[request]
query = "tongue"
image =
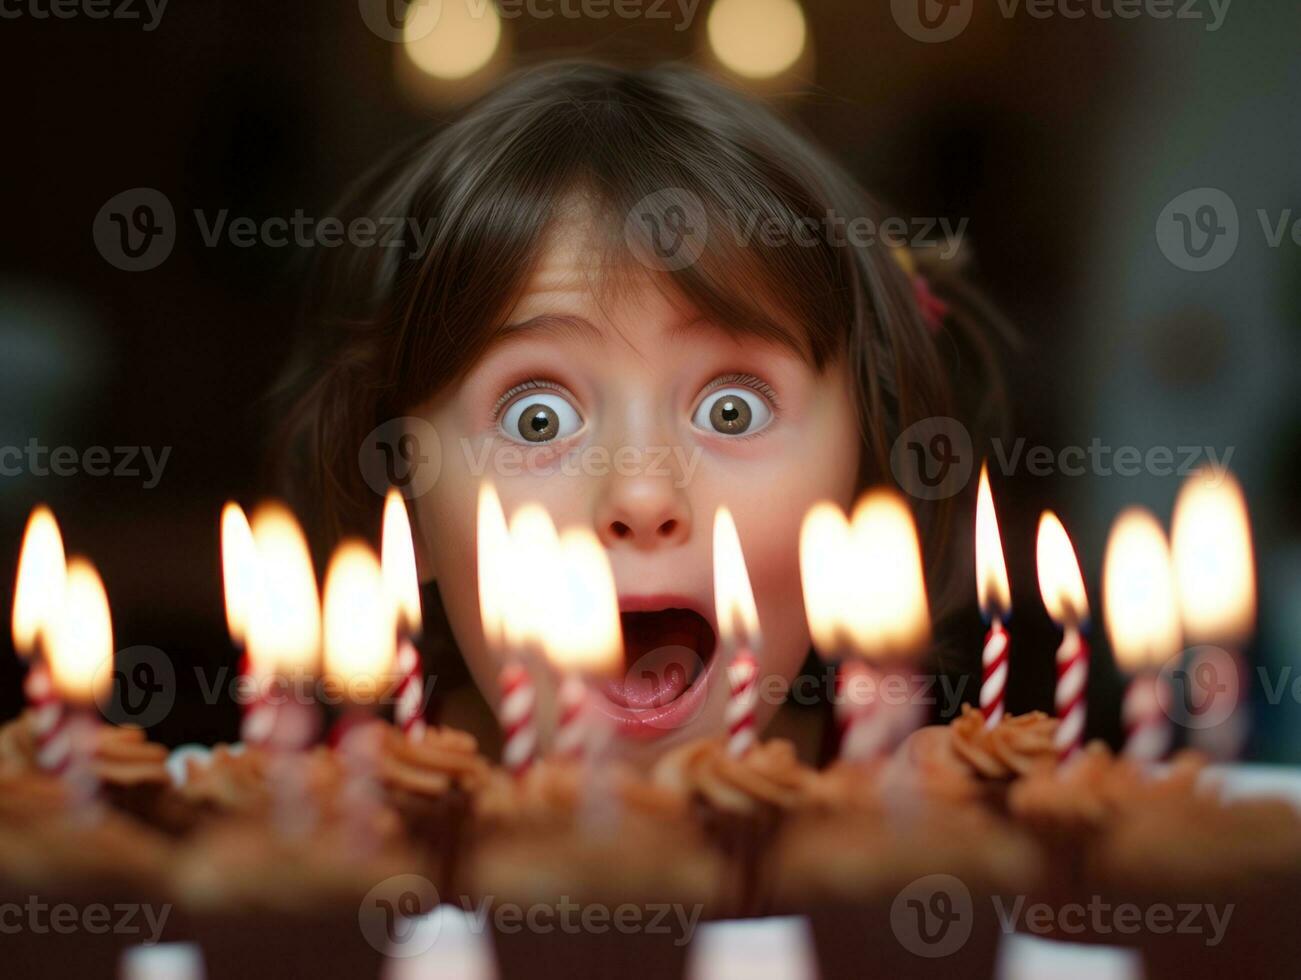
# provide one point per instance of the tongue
(665, 652)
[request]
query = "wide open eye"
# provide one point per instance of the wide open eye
(732, 411)
(540, 416)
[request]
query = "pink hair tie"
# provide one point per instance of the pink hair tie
(932, 308)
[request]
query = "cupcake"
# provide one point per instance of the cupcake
(965, 762)
(741, 804)
(905, 888)
(432, 784)
(1217, 883)
(250, 880)
(130, 771)
(576, 886)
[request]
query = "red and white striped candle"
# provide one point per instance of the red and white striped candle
(518, 718)
(1062, 587)
(739, 635)
(995, 598)
(864, 720)
(398, 558)
(1142, 619)
(743, 679)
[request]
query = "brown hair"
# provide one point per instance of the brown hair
(386, 329)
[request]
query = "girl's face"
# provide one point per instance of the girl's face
(637, 419)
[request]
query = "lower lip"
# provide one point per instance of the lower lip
(658, 721)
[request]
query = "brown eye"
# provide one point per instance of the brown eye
(538, 423)
(540, 417)
(732, 412)
(729, 414)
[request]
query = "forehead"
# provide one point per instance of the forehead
(583, 271)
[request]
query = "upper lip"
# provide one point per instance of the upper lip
(654, 602)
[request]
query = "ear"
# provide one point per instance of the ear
(424, 561)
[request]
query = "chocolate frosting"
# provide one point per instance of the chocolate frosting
(769, 774)
(441, 759)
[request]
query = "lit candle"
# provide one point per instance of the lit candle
(282, 630)
(995, 603)
(581, 637)
(79, 646)
(1062, 587)
(738, 626)
(1138, 598)
(239, 577)
(359, 623)
(1216, 585)
(517, 693)
(398, 560)
(38, 595)
(865, 596)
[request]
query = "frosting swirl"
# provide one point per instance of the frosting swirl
(769, 774)
(1013, 747)
(441, 759)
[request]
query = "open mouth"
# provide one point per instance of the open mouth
(666, 651)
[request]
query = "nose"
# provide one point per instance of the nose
(643, 512)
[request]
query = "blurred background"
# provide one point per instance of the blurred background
(1059, 137)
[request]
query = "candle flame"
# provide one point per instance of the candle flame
(890, 615)
(991, 568)
(738, 620)
(1138, 592)
(359, 619)
(283, 633)
(398, 560)
(493, 543)
(584, 633)
(239, 570)
(1213, 560)
(1060, 583)
(79, 644)
(527, 572)
(826, 571)
(42, 570)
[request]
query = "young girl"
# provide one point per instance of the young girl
(639, 296)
